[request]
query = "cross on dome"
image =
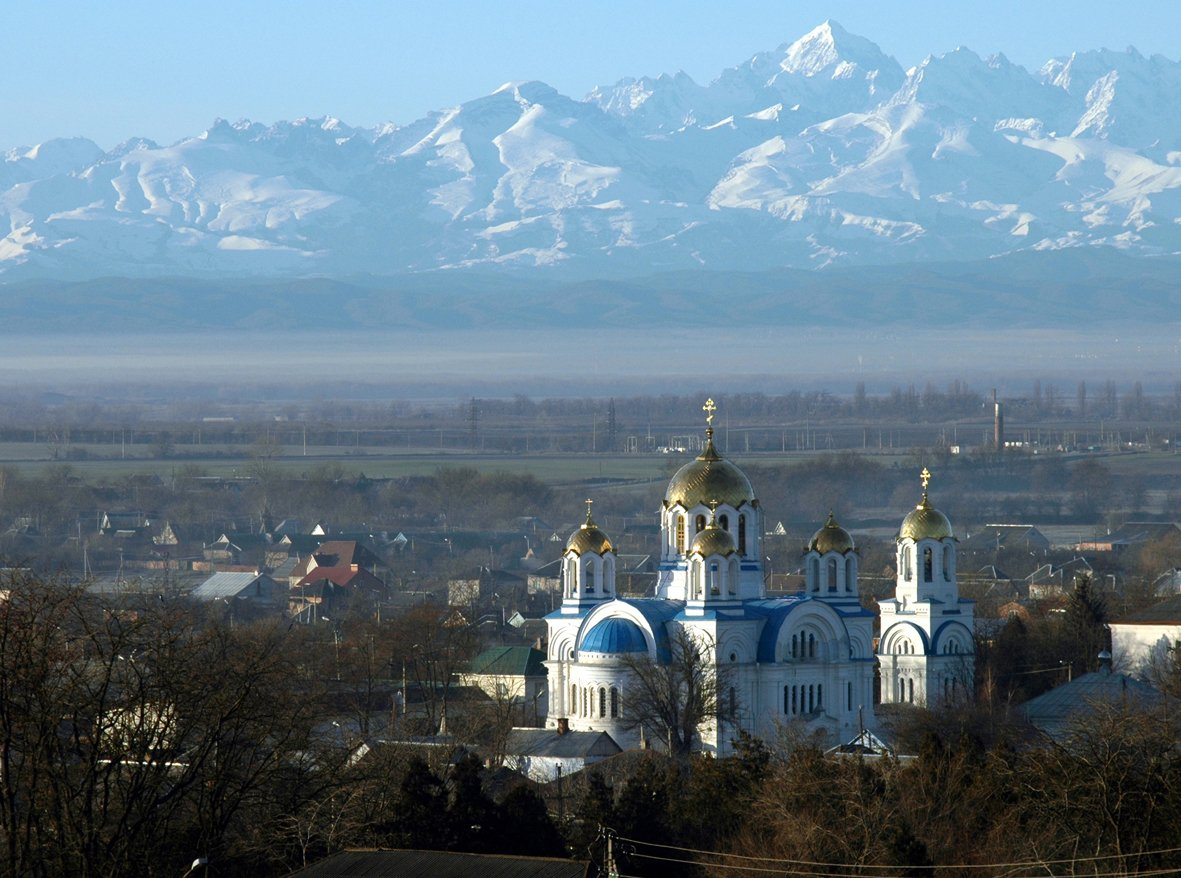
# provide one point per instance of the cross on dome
(709, 408)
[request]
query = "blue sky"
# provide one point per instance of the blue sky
(165, 70)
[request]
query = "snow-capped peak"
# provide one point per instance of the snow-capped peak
(827, 48)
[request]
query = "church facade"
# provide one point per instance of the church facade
(807, 660)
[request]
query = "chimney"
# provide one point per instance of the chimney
(563, 725)
(1105, 661)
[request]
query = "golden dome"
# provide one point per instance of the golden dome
(831, 538)
(707, 479)
(925, 522)
(588, 538)
(713, 541)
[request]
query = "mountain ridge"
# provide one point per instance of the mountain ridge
(820, 154)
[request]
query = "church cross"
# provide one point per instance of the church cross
(709, 408)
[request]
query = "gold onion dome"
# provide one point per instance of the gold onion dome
(925, 522)
(588, 539)
(831, 538)
(713, 541)
(709, 477)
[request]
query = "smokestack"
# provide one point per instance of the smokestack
(563, 725)
(998, 424)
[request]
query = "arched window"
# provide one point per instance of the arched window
(588, 573)
(849, 576)
(911, 687)
(583, 713)
(928, 561)
(742, 534)
(819, 695)
(713, 578)
(794, 700)
(907, 569)
(724, 522)
(795, 648)
(699, 523)
(947, 563)
(849, 695)
(602, 701)
(680, 533)
(811, 646)
(814, 568)
(811, 698)
(573, 708)
(614, 703)
(832, 574)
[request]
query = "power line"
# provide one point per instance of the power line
(1030, 864)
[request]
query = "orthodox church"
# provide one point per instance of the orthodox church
(806, 659)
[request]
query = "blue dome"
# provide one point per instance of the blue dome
(614, 635)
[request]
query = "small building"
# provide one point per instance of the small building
(512, 674)
(545, 754)
(247, 591)
(1148, 638)
(1134, 533)
(1055, 712)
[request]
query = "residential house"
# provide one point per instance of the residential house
(1134, 533)
(1149, 637)
(485, 585)
(327, 591)
(1054, 713)
(545, 754)
(1055, 581)
(345, 554)
(242, 593)
(512, 674)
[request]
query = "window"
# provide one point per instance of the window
(832, 574)
(947, 563)
(811, 646)
(742, 534)
(794, 704)
(713, 578)
(911, 682)
(602, 702)
(795, 646)
(699, 522)
(680, 533)
(614, 703)
(819, 695)
(849, 695)
(907, 571)
(786, 700)
(928, 562)
(724, 522)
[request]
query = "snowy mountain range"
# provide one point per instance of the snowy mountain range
(823, 153)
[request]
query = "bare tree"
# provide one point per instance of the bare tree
(673, 699)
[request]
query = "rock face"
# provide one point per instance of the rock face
(821, 153)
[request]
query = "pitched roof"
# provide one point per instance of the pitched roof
(1053, 711)
(571, 745)
(227, 585)
(510, 661)
(345, 577)
(1167, 612)
(439, 864)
